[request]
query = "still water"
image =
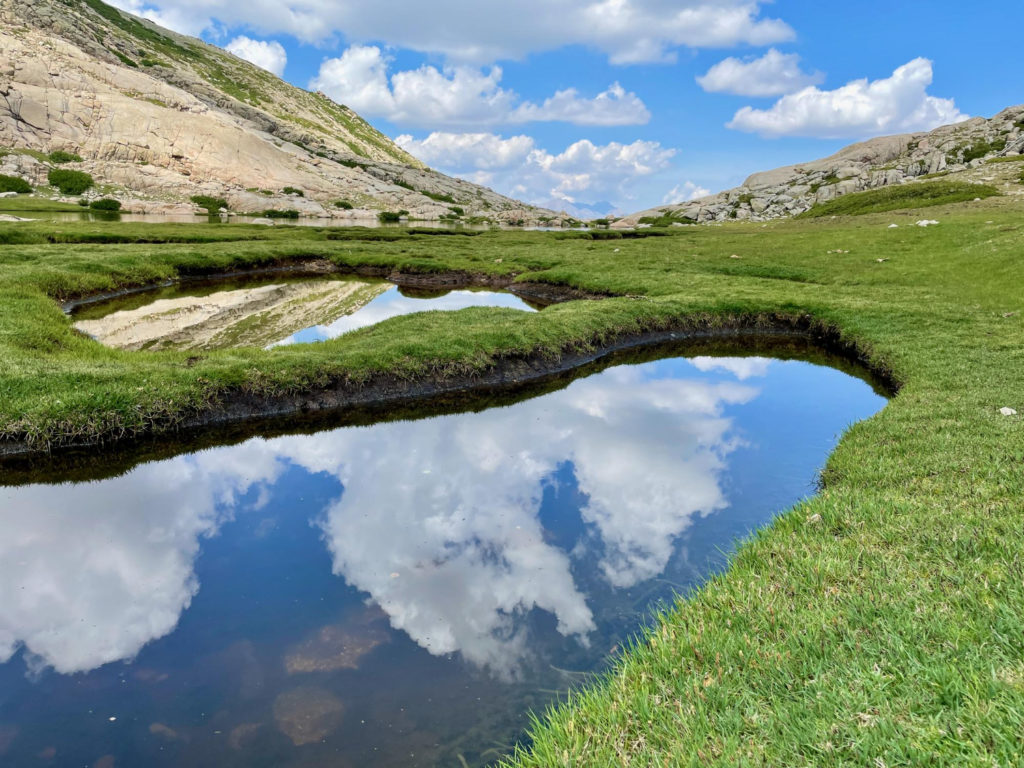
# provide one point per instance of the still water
(401, 594)
(267, 312)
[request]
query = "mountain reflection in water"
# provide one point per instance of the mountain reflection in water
(485, 552)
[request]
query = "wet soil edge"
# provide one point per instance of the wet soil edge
(507, 375)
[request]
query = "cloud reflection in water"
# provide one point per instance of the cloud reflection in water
(438, 521)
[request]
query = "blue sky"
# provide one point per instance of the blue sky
(591, 105)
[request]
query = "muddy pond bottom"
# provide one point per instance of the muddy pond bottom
(401, 594)
(267, 312)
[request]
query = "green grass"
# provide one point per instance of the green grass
(880, 622)
(905, 196)
(1009, 159)
(27, 204)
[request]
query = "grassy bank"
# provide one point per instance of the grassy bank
(880, 623)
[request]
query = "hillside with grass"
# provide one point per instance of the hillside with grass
(981, 152)
(157, 119)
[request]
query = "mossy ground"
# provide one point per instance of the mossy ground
(880, 623)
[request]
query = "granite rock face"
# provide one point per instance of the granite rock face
(959, 151)
(159, 117)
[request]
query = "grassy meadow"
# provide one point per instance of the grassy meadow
(880, 623)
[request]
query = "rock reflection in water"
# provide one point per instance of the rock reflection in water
(246, 317)
(360, 595)
(280, 313)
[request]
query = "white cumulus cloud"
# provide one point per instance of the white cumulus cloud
(859, 109)
(684, 193)
(773, 74)
(515, 166)
(613, 107)
(626, 31)
(267, 54)
(460, 95)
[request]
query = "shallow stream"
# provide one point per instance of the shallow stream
(398, 594)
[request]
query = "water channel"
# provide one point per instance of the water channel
(401, 593)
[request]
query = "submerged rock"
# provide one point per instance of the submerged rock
(334, 647)
(307, 715)
(241, 734)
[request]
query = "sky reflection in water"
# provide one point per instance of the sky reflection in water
(406, 588)
(394, 303)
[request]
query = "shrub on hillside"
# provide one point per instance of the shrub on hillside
(14, 184)
(438, 196)
(345, 205)
(391, 217)
(293, 191)
(106, 204)
(60, 156)
(70, 182)
(211, 204)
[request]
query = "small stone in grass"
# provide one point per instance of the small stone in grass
(1007, 411)
(813, 519)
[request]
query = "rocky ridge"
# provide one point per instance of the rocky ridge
(964, 150)
(159, 117)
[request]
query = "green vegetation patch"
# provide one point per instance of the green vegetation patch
(212, 205)
(14, 184)
(894, 198)
(106, 204)
(438, 196)
(344, 205)
(293, 191)
(60, 157)
(1008, 159)
(980, 149)
(70, 182)
(391, 217)
(290, 213)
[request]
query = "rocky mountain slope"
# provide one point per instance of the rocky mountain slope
(963, 151)
(158, 117)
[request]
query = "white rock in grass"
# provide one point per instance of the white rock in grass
(894, 226)
(926, 223)
(1007, 411)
